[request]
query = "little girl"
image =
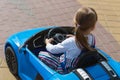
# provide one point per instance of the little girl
(85, 20)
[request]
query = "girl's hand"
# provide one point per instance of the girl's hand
(48, 40)
(69, 35)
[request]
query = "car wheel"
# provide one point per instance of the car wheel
(12, 61)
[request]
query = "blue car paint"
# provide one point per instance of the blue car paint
(17, 40)
(113, 63)
(115, 66)
(97, 69)
(70, 76)
(25, 35)
(26, 69)
(103, 53)
(29, 65)
(38, 65)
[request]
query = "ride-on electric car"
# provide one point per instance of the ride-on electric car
(22, 49)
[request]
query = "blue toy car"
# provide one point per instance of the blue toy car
(22, 49)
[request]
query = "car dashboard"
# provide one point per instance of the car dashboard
(37, 42)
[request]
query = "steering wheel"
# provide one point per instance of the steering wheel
(58, 34)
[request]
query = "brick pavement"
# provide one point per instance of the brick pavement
(109, 17)
(18, 15)
(108, 13)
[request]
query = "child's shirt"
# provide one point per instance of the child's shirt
(69, 47)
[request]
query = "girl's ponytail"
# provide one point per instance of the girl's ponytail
(81, 40)
(84, 20)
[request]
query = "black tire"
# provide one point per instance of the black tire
(12, 61)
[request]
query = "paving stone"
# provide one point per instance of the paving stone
(3, 64)
(5, 74)
(0, 61)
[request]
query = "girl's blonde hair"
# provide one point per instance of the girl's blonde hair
(85, 18)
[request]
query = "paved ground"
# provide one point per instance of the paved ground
(18, 15)
(109, 14)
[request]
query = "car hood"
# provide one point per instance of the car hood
(21, 37)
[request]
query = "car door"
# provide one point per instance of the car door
(37, 65)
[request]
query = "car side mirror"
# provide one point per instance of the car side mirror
(22, 48)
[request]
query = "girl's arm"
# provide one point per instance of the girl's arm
(55, 49)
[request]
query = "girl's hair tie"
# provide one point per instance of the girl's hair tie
(78, 25)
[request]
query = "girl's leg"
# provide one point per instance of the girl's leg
(50, 60)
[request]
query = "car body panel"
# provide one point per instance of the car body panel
(97, 69)
(115, 66)
(20, 37)
(70, 76)
(29, 65)
(113, 63)
(15, 42)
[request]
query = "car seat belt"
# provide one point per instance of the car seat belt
(82, 74)
(109, 70)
